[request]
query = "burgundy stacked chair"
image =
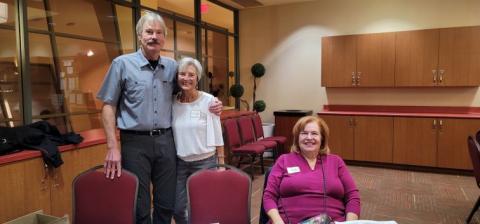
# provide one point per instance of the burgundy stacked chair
(219, 196)
(473, 149)
(248, 136)
(97, 199)
(257, 124)
(240, 150)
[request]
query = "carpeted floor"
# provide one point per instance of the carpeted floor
(405, 196)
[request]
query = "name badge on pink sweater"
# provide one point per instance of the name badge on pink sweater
(293, 169)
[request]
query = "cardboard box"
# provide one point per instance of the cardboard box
(39, 218)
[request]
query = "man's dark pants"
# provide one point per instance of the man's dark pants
(153, 160)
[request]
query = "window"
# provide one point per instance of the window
(10, 91)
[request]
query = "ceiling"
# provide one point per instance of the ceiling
(245, 4)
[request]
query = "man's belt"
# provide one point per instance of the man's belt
(153, 132)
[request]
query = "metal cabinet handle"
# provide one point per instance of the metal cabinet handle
(434, 125)
(353, 79)
(440, 76)
(350, 122)
(440, 125)
(434, 73)
(358, 78)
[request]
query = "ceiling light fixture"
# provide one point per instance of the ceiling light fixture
(90, 53)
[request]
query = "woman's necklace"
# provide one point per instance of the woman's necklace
(185, 98)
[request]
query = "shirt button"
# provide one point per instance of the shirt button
(155, 99)
(155, 111)
(154, 87)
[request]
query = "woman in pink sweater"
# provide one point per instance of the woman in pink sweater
(298, 181)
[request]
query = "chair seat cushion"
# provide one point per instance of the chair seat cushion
(249, 149)
(268, 144)
(279, 139)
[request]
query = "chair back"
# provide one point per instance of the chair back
(473, 149)
(257, 124)
(231, 133)
(246, 129)
(219, 196)
(97, 199)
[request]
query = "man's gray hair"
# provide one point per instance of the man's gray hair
(187, 61)
(150, 17)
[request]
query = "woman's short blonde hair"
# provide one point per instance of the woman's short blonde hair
(300, 126)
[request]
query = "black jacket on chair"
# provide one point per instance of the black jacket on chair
(37, 136)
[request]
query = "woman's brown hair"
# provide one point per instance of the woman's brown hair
(300, 126)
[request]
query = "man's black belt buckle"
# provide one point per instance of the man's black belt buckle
(153, 132)
(160, 131)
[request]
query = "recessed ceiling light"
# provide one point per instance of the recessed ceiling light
(90, 53)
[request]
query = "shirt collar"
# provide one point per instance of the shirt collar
(143, 61)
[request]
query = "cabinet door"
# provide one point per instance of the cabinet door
(459, 56)
(376, 59)
(341, 135)
(416, 58)
(23, 189)
(61, 185)
(452, 142)
(338, 61)
(373, 138)
(75, 162)
(37, 182)
(415, 141)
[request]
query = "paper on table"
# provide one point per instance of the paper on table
(366, 222)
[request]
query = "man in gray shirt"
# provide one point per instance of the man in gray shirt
(137, 95)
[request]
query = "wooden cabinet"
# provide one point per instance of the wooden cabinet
(459, 56)
(434, 57)
(26, 186)
(341, 135)
(362, 138)
(358, 60)
(438, 57)
(415, 141)
(452, 142)
(284, 122)
(434, 142)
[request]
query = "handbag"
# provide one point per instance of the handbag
(318, 219)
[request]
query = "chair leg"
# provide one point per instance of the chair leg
(252, 169)
(474, 209)
(261, 163)
(239, 161)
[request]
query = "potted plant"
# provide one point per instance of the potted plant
(236, 91)
(258, 70)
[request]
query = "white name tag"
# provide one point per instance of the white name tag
(195, 114)
(294, 169)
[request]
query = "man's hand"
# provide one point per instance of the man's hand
(113, 163)
(216, 107)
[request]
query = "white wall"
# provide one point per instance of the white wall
(287, 40)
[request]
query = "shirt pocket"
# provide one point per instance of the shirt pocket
(135, 89)
(167, 87)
